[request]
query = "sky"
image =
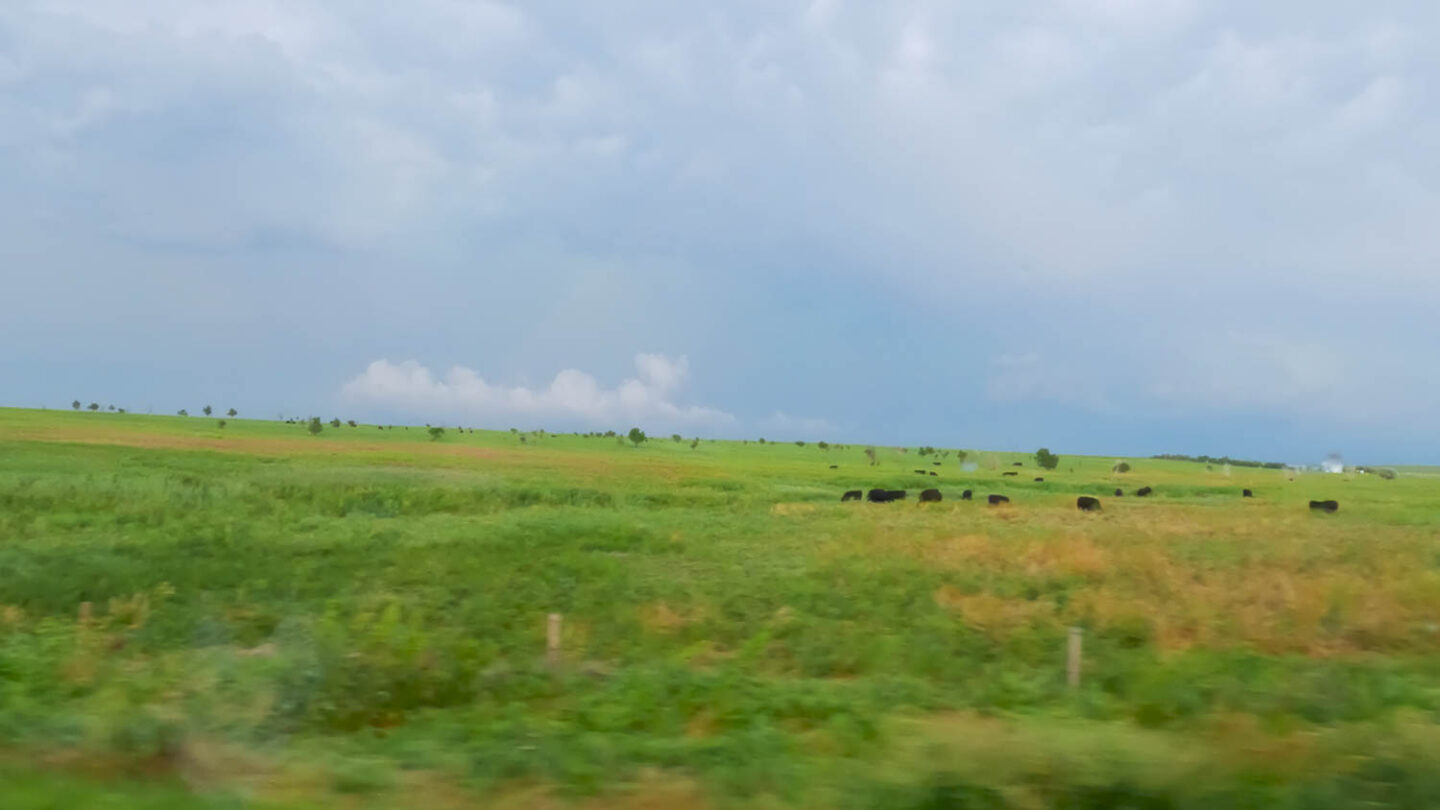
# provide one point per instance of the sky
(1102, 226)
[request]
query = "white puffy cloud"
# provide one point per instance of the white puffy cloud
(573, 397)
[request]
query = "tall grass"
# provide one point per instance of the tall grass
(367, 620)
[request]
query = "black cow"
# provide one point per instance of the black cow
(965, 496)
(921, 472)
(1018, 464)
(998, 499)
(1085, 503)
(852, 495)
(936, 463)
(885, 495)
(937, 475)
(1143, 492)
(1245, 493)
(930, 496)
(834, 466)
(1039, 480)
(1009, 473)
(1119, 493)
(1325, 506)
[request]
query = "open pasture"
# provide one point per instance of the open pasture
(196, 616)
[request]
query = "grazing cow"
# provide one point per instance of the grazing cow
(936, 463)
(1085, 503)
(1009, 473)
(930, 496)
(1018, 464)
(1119, 493)
(966, 495)
(834, 466)
(1325, 506)
(1143, 492)
(1039, 480)
(852, 495)
(920, 472)
(996, 500)
(937, 475)
(885, 495)
(1245, 493)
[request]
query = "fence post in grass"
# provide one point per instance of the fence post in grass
(1072, 659)
(552, 640)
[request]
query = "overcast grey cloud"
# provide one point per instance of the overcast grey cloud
(1126, 226)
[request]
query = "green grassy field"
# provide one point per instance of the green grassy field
(197, 617)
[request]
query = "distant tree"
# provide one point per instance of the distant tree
(960, 456)
(94, 406)
(522, 440)
(1046, 459)
(609, 434)
(350, 422)
(182, 412)
(315, 427)
(335, 422)
(436, 433)
(636, 436)
(206, 410)
(110, 407)
(1122, 467)
(822, 445)
(232, 413)
(675, 437)
(119, 410)
(761, 440)
(221, 424)
(870, 454)
(799, 443)
(695, 443)
(75, 405)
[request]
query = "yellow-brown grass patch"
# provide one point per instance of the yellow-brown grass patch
(1184, 576)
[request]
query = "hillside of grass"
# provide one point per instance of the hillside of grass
(198, 616)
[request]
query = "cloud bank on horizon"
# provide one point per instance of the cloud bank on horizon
(1112, 225)
(572, 397)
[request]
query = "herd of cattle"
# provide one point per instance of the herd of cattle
(1084, 503)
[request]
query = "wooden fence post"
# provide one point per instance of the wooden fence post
(1072, 659)
(552, 640)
